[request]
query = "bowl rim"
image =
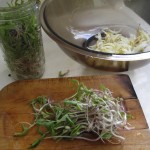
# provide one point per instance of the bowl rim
(85, 51)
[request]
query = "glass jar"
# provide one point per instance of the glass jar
(21, 40)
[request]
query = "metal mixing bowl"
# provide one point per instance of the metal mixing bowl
(70, 23)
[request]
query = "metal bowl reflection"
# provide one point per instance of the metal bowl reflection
(73, 24)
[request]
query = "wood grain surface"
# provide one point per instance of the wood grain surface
(15, 107)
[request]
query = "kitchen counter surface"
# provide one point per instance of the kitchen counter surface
(57, 61)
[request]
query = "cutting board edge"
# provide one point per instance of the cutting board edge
(55, 78)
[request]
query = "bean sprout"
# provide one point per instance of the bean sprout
(87, 112)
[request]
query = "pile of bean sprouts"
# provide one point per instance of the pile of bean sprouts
(89, 114)
(110, 41)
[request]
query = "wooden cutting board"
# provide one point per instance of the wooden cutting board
(15, 107)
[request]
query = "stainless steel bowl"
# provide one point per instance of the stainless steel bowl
(72, 22)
